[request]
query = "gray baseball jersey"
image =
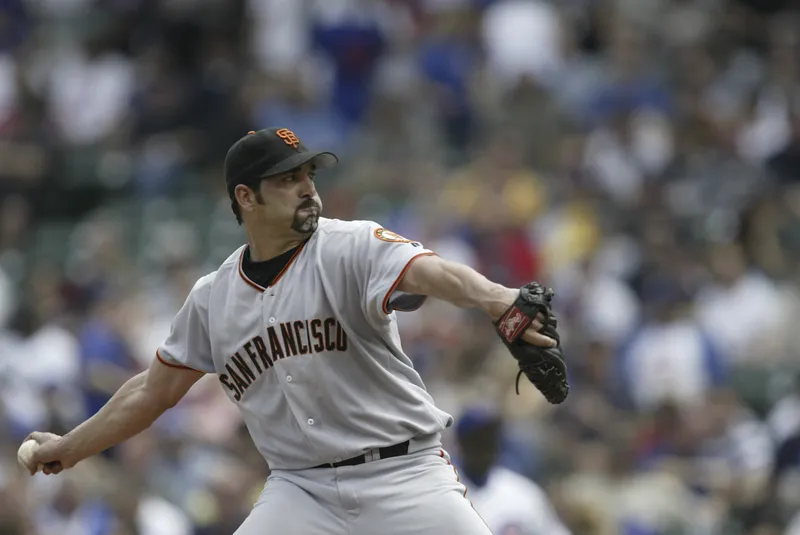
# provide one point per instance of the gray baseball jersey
(314, 362)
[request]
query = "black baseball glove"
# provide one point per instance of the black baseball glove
(544, 367)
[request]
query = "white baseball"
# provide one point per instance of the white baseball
(25, 453)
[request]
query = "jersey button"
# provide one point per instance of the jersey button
(311, 421)
(271, 321)
(288, 378)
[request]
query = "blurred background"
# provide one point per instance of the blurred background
(640, 156)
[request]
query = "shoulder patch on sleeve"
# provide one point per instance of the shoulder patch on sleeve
(389, 236)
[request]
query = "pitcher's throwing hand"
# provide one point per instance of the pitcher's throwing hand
(40, 452)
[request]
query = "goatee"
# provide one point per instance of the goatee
(306, 218)
(305, 224)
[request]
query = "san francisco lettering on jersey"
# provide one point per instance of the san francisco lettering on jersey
(300, 337)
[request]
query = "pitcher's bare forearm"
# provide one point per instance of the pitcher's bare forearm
(464, 287)
(129, 412)
(132, 409)
(457, 284)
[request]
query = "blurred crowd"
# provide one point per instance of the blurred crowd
(641, 157)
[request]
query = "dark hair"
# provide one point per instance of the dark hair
(254, 185)
(236, 211)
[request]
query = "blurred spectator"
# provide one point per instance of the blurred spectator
(509, 503)
(522, 39)
(631, 84)
(448, 59)
(785, 163)
(634, 147)
(106, 358)
(623, 499)
(278, 37)
(785, 478)
(15, 23)
(349, 33)
(598, 303)
(735, 456)
(298, 107)
(41, 362)
(493, 198)
(669, 357)
(794, 527)
(784, 418)
(7, 299)
(734, 283)
(90, 90)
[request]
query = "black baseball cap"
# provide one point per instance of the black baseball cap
(269, 152)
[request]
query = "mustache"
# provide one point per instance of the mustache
(310, 203)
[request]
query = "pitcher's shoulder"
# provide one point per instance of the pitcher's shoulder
(200, 294)
(227, 269)
(352, 227)
(205, 282)
(344, 239)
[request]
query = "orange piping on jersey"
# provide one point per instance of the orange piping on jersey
(277, 278)
(289, 263)
(388, 295)
(244, 277)
(171, 365)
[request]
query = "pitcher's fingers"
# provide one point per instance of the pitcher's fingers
(34, 468)
(538, 339)
(38, 436)
(41, 437)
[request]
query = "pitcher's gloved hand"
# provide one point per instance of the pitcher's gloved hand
(543, 366)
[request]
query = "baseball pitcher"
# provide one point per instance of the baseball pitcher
(299, 327)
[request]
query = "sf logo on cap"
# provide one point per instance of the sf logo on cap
(288, 137)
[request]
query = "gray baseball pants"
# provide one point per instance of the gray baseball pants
(415, 494)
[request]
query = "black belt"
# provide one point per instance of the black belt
(385, 453)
